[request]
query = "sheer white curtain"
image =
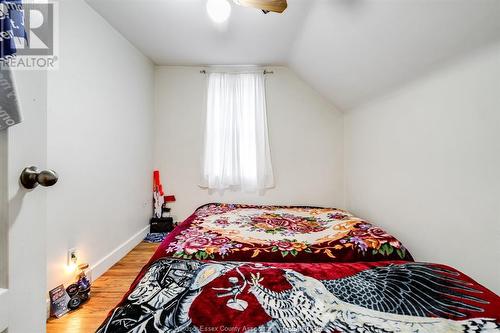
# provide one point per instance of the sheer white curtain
(237, 153)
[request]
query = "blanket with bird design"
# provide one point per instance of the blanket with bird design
(179, 295)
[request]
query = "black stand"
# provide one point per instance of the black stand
(162, 224)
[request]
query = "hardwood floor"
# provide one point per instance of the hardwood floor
(107, 291)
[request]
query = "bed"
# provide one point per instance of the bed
(233, 232)
(224, 270)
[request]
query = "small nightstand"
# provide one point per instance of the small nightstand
(163, 224)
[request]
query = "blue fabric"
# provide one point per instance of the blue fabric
(155, 237)
(12, 23)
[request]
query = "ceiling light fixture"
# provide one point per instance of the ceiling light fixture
(218, 10)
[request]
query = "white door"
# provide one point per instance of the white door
(23, 212)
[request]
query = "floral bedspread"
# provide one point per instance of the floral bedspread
(280, 234)
(178, 295)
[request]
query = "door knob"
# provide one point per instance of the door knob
(32, 176)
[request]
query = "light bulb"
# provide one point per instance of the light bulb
(71, 268)
(218, 10)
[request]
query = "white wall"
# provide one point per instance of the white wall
(306, 138)
(424, 163)
(100, 109)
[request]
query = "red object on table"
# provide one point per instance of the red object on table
(158, 187)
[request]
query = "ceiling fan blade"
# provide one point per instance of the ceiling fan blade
(277, 6)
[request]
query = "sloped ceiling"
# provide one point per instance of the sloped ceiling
(179, 32)
(355, 50)
(351, 51)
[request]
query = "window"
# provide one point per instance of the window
(237, 153)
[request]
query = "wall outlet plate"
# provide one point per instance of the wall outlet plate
(72, 258)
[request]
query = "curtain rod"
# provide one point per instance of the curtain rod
(203, 71)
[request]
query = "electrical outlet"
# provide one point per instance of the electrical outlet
(72, 257)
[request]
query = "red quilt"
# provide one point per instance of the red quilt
(280, 234)
(178, 295)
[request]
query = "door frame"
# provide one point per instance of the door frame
(23, 215)
(4, 231)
